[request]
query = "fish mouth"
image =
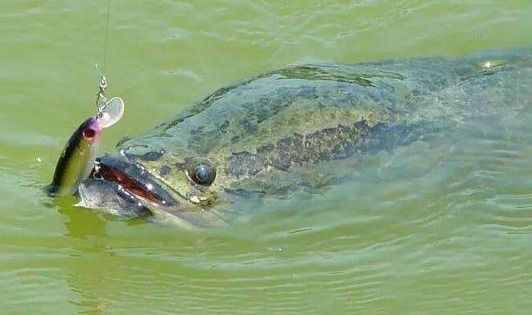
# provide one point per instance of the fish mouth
(123, 187)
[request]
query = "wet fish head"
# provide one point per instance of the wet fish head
(146, 178)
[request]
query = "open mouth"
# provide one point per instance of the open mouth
(132, 179)
(123, 187)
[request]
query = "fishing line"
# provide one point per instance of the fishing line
(102, 79)
(101, 70)
(108, 19)
(108, 111)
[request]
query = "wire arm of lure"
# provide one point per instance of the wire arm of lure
(101, 98)
(108, 111)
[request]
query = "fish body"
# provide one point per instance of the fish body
(294, 127)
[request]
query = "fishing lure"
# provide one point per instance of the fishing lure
(77, 160)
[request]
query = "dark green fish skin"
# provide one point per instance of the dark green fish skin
(271, 135)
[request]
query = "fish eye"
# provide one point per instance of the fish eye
(203, 174)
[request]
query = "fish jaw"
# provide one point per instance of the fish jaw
(125, 188)
(122, 187)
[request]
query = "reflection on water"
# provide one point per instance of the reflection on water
(88, 268)
(81, 223)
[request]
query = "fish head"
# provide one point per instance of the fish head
(152, 180)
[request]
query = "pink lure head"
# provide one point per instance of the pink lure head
(93, 130)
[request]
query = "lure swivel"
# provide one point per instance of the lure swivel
(101, 98)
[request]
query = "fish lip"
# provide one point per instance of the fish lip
(133, 180)
(102, 194)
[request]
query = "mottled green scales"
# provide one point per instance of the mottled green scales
(268, 135)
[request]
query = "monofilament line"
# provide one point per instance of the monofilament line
(108, 18)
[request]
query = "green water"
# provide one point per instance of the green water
(438, 227)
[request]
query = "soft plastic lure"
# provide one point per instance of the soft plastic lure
(77, 160)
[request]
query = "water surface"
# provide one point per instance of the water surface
(442, 226)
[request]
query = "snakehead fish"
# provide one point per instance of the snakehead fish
(280, 131)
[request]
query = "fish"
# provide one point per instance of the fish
(298, 127)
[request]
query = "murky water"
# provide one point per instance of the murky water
(442, 226)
